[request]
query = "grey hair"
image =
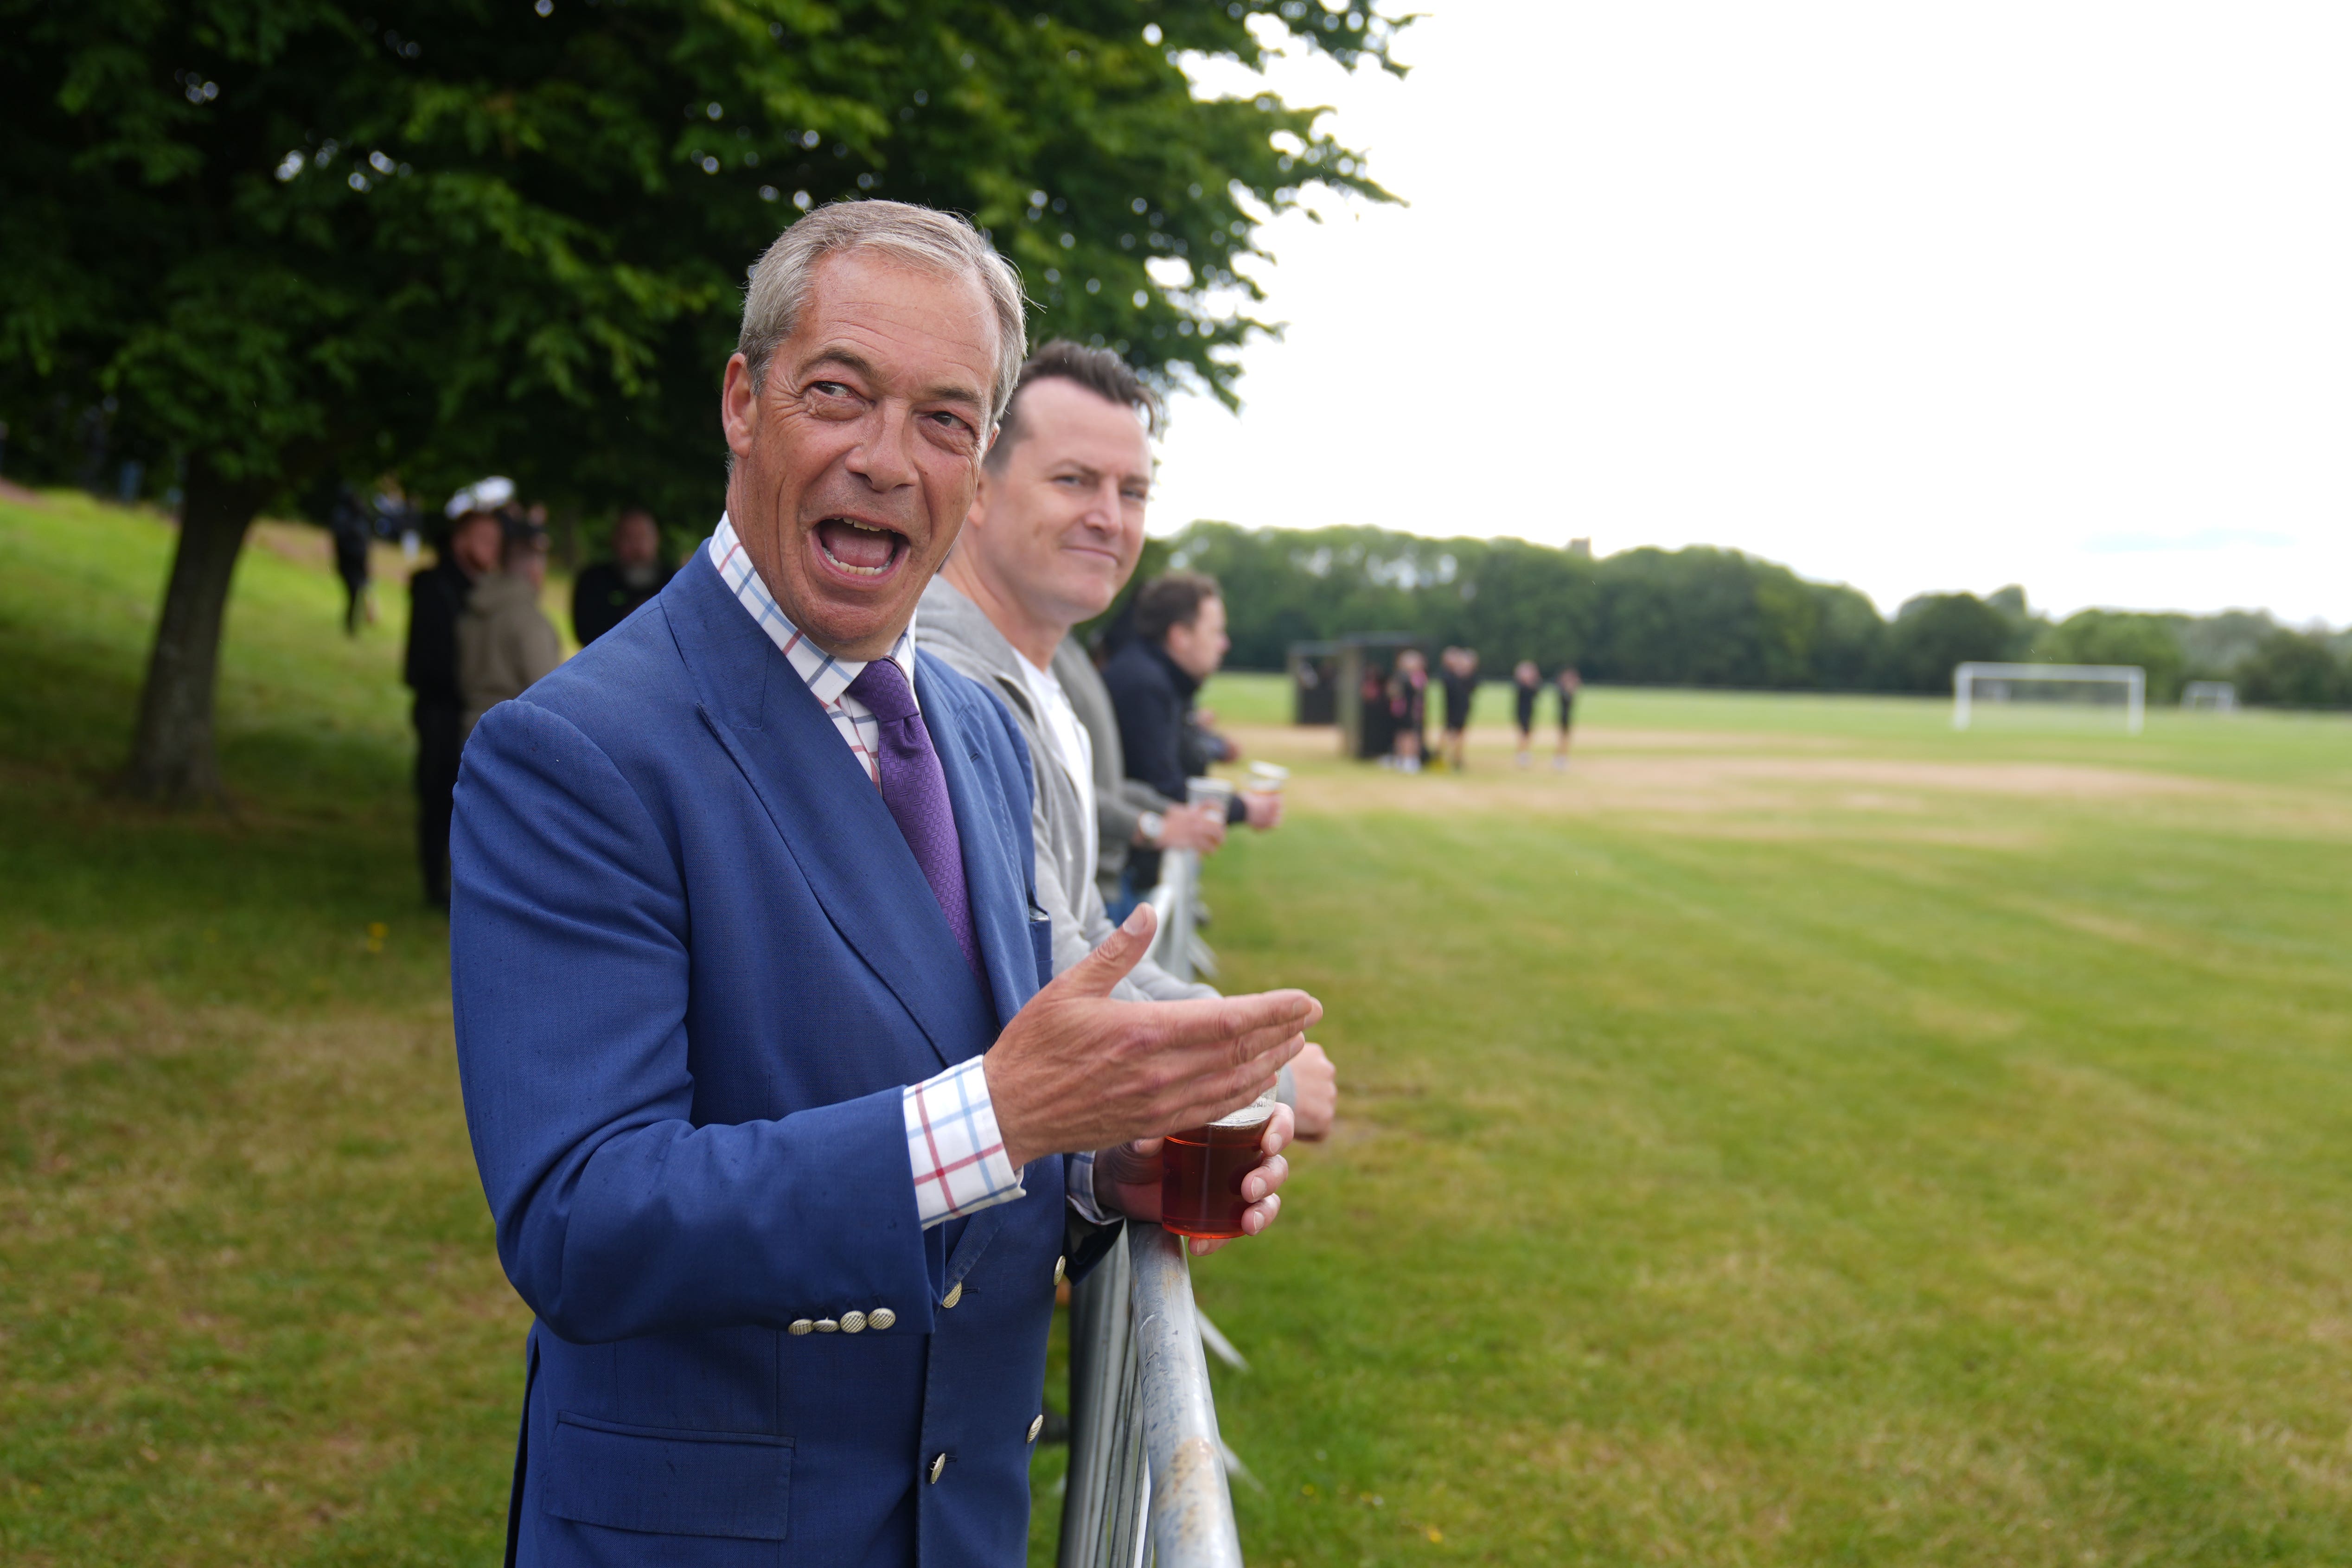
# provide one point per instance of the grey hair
(936, 242)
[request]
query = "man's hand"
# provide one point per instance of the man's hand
(1315, 1082)
(1265, 807)
(1127, 1178)
(1075, 1070)
(1198, 828)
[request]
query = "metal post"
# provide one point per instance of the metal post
(1114, 1399)
(2135, 698)
(1102, 1510)
(1191, 1509)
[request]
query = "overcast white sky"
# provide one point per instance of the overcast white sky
(1916, 298)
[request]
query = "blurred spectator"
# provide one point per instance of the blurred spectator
(1179, 641)
(1526, 681)
(437, 599)
(352, 528)
(505, 642)
(1458, 672)
(1408, 694)
(605, 594)
(1567, 685)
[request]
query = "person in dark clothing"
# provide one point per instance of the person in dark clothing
(353, 527)
(436, 598)
(1457, 672)
(1567, 686)
(1179, 639)
(1526, 681)
(608, 593)
(1409, 707)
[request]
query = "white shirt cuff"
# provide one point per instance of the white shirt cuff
(957, 1155)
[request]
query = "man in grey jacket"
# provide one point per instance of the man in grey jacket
(1055, 533)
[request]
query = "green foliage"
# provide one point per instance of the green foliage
(1689, 618)
(2110, 637)
(2295, 669)
(1936, 631)
(285, 237)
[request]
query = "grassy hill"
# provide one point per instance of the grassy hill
(1798, 1133)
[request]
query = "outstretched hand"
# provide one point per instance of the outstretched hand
(1075, 1070)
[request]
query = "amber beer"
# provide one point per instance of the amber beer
(1203, 1169)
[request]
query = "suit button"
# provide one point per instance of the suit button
(880, 1318)
(1036, 1426)
(852, 1322)
(938, 1467)
(955, 1294)
(826, 1326)
(1061, 1267)
(800, 1326)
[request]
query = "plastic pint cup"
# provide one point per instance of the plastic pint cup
(1208, 792)
(1203, 1169)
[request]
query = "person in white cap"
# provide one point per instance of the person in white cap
(436, 598)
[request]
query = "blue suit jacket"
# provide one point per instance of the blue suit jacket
(695, 964)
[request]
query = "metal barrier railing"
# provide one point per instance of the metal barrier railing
(1147, 1479)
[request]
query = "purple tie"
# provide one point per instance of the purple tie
(916, 791)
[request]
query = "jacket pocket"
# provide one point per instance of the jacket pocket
(666, 1481)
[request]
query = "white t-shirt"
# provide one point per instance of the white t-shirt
(1074, 749)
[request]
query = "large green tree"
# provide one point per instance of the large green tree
(258, 244)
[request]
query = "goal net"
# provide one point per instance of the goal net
(2055, 689)
(2210, 697)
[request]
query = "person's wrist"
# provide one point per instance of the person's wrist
(1150, 828)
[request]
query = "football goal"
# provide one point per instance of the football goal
(2210, 697)
(2049, 686)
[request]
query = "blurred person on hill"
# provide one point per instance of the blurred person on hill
(1408, 693)
(1054, 533)
(506, 643)
(607, 592)
(1179, 640)
(352, 528)
(1527, 680)
(1566, 688)
(437, 599)
(1458, 672)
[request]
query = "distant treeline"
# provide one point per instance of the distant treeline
(1708, 617)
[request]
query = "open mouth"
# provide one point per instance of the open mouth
(860, 548)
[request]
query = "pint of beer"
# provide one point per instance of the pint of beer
(1203, 1169)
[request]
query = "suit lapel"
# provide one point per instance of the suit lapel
(999, 888)
(828, 812)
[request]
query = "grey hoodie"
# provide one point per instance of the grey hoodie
(953, 628)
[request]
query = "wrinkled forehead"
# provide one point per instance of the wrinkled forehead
(928, 333)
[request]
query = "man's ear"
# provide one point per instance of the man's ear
(738, 406)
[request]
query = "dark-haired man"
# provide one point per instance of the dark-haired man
(1052, 536)
(1179, 640)
(607, 593)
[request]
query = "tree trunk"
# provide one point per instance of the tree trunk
(173, 759)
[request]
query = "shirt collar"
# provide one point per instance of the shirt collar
(827, 677)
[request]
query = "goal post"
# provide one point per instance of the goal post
(1999, 677)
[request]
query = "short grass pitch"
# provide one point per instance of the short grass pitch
(1797, 1133)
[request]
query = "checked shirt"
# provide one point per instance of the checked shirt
(957, 1157)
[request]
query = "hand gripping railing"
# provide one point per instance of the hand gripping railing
(1147, 1466)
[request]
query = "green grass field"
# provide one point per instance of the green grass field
(1796, 1134)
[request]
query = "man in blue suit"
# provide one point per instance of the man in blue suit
(785, 1143)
